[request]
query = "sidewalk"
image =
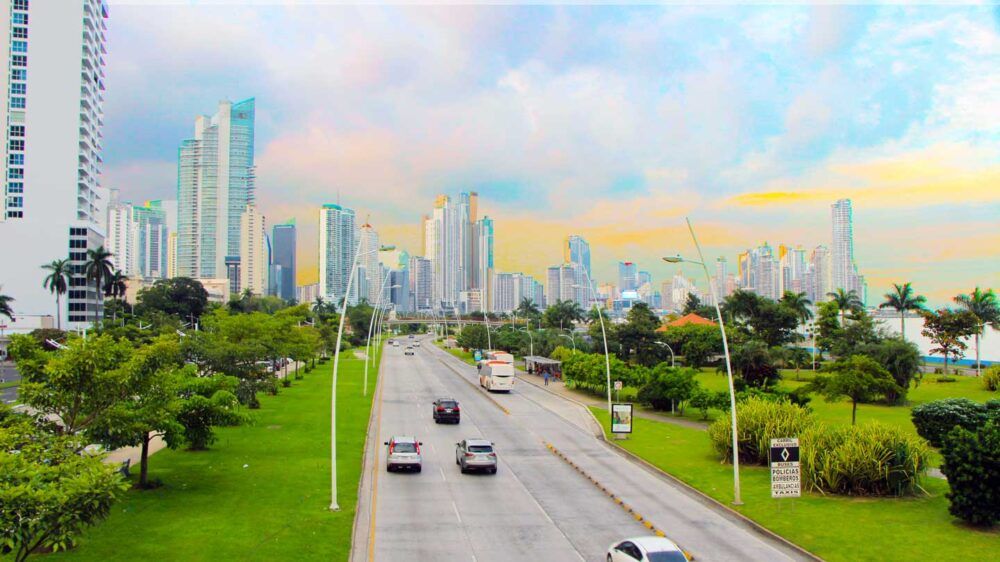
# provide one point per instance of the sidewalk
(558, 388)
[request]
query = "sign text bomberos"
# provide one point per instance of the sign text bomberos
(786, 478)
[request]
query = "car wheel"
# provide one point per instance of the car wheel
(464, 470)
(418, 468)
(388, 468)
(493, 470)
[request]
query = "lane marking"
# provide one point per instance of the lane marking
(477, 387)
(441, 470)
(459, 517)
(374, 499)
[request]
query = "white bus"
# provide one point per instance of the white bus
(496, 376)
(500, 356)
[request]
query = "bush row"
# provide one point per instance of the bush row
(934, 420)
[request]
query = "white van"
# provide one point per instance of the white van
(496, 376)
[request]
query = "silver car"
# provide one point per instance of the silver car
(476, 454)
(403, 452)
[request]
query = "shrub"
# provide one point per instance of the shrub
(868, 460)
(758, 421)
(946, 379)
(991, 378)
(972, 465)
(668, 386)
(704, 399)
(935, 419)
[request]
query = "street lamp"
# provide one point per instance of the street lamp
(336, 363)
(571, 340)
(531, 340)
(725, 348)
(604, 335)
(371, 321)
(664, 344)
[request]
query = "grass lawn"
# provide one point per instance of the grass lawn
(834, 528)
(262, 492)
(9, 384)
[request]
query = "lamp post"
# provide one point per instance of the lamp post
(531, 340)
(670, 349)
(371, 322)
(604, 335)
(336, 363)
(729, 368)
(571, 340)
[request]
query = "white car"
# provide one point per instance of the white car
(403, 452)
(408, 351)
(647, 549)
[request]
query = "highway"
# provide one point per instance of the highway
(537, 507)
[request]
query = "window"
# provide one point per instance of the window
(21, 32)
(16, 144)
(77, 282)
(17, 103)
(19, 60)
(15, 201)
(667, 556)
(78, 244)
(17, 130)
(15, 187)
(78, 232)
(21, 5)
(78, 294)
(16, 159)
(14, 214)
(78, 307)
(20, 19)
(19, 88)
(78, 256)
(15, 173)
(19, 46)
(19, 74)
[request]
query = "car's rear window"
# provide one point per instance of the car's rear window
(404, 448)
(480, 449)
(670, 556)
(448, 404)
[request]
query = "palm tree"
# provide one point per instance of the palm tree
(799, 304)
(741, 305)
(527, 308)
(985, 307)
(5, 308)
(902, 298)
(115, 287)
(97, 269)
(57, 282)
(846, 300)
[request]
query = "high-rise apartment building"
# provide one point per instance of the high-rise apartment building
(577, 250)
(51, 107)
(818, 275)
(120, 236)
(421, 278)
(336, 252)
(283, 260)
(152, 234)
(369, 281)
(460, 248)
(254, 262)
(215, 183)
(503, 293)
(843, 269)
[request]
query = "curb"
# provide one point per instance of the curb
(627, 508)
(354, 553)
(478, 389)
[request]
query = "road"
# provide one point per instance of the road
(8, 373)
(536, 507)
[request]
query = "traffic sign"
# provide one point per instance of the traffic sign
(618, 385)
(786, 477)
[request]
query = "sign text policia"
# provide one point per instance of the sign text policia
(786, 479)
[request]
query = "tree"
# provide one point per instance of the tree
(753, 363)
(985, 307)
(98, 268)
(946, 328)
(898, 356)
(241, 345)
(473, 336)
(773, 323)
(528, 309)
(859, 378)
(638, 333)
(78, 385)
(206, 402)
(691, 304)
(359, 316)
(741, 305)
(828, 328)
(704, 399)
(798, 304)
(562, 314)
(902, 298)
(182, 297)
(668, 384)
(846, 300)
(57, 282)
(5, 308)
(49, 492)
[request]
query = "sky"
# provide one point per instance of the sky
(614, 123)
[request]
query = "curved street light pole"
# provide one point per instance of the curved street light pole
(666, 345)
(604, 336)
(737, 500)
(531, 340)
(571, 340)
(371, 322)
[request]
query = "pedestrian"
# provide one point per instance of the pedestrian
(546, 375)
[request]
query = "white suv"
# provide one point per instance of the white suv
(403, 452)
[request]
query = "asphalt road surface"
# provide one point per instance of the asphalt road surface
(536, 507)
(8, 373)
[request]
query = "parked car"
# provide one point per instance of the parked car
(408, 351)
(647, 549)
(403, 452)
(446, 409)
(476, 454)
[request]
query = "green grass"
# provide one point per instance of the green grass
(834, 528)
(211, 507)
(10, 384)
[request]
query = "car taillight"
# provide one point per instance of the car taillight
(456, 409)
(440, 408)
(391, 447)
(470, 454)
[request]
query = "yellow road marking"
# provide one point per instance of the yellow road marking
(375, 471)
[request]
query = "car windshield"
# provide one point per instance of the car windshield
(448, 404)
(480, 449)
(666, 556)
(404, 448)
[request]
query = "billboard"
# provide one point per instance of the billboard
(621, 418)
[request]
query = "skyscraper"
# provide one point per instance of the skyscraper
(283, 260)
(421, 284)
(577, 251)
(254, 262)
(628, 276)
(152, 234)
(215, 183)
(818, 275)
(121, 234)
(843, 269)
(51, 107)
(369, 274)
(336, 252)
(503, 293)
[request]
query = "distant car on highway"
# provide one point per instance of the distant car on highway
(416, 344)
(476, 454)
(410, 336)
(403, 452)
(446, 409)
(647, 549)
(408, 351)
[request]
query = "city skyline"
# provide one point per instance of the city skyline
(915, 150)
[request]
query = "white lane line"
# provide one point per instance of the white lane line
(457, 516)
(431, 445)
(441, 470)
